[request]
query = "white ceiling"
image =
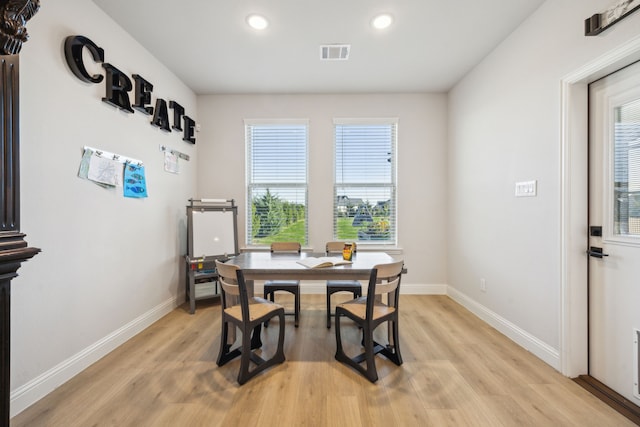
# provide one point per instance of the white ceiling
(428, 48)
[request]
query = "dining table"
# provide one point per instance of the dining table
(285, 266)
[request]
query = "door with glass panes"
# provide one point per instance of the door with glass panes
(614, 231)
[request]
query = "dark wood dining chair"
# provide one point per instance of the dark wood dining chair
(247, 313)
(333, 286)
(291, 286)
(369, 312)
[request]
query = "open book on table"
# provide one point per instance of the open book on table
(319, 262)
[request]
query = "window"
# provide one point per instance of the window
(627, 169)
(276, 181)
(365, 181)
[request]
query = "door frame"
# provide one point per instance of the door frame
(574, 204)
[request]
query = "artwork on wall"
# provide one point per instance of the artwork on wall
(171, 159)
(110, 170)
(135, 183)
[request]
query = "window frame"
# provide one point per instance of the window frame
(392, 185)
(251, 186)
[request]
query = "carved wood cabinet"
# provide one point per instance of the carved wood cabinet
(13, 248)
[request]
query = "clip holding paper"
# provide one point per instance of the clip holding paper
(174, 152)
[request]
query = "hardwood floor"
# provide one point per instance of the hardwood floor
(457, 371)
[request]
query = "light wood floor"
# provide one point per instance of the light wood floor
(457, 371)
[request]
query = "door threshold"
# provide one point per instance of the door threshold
(610, 397)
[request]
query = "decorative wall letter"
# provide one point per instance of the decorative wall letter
(117, 86)
(143, 94)
(161, 116)
(189, 130)
(73, 53)
(178, 112)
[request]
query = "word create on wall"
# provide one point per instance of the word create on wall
(118, 86)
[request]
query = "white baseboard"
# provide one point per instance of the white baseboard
(521, 337)
(29, 393)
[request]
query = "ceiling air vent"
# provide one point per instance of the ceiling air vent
(335, 52)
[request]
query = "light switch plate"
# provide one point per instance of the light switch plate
(527, 188)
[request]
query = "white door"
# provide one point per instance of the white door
(614, 232)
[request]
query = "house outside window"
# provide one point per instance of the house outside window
(365, 181)
(276, 181)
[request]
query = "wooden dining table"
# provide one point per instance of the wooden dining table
(285, 266)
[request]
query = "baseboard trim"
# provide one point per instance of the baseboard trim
(521, 337)
(29, 393)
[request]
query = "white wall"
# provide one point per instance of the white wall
(422, 185)
(504, 127)
(109, 265)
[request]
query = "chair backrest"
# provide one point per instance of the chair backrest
(232, 282)
(286, 247)
(337, 247)
(384, 279)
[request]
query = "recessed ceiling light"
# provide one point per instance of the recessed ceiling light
(382, 21)
(257, 22)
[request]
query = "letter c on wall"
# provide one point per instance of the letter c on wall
(73, 53)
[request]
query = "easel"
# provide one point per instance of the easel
(212, 233)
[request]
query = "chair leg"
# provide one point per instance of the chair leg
(339, 351)
(256, 341)
(368, 356)
(225, 354)
(370, 372)
(224, 347)
(248, 356)
(393, 353)
(328, 310)
(268, 294)
(245, 359)
(279, 356)
(297, 307)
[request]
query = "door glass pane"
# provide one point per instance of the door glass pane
(627, 169)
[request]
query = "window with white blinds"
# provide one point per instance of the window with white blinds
(365, 181)
(276, 182)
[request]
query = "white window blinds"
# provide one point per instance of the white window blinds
(276, 182)
(365, 181)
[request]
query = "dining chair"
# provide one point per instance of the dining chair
(247, 313)
(333, 286)
(369, 312)
(291, 286)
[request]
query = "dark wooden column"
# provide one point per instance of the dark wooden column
(13, 248)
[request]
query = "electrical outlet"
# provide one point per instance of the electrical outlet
(483, 285)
